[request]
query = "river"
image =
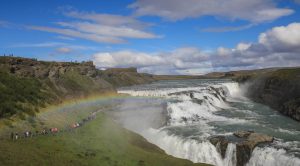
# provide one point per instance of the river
(179, 117)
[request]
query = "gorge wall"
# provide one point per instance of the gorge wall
(278, 89)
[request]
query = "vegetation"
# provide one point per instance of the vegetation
(20, 95)
(99, 142)
(292, 73)
(26, 85)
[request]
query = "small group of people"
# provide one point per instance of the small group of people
(89, 118)
(14, 136)
(28, 134)
(75, 125)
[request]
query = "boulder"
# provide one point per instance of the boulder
(245, 142)
(242, 134)
(220, 143)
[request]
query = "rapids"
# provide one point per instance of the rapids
(180, 116)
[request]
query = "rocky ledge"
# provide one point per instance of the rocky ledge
(245, 142)
(278, 89)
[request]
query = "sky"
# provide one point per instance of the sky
(189, 37)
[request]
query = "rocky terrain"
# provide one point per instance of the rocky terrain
(28, 84)
(245, 142)
(278, 89)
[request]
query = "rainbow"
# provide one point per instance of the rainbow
(91, 99)
(64, 113)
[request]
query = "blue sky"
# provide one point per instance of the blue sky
(157, 36)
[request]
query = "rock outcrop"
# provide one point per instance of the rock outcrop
(245, 142)
(278, 89)
(221, 143)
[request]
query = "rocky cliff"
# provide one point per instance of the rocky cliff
(28, 84)
(278, 89)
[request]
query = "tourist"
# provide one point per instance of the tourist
(12, 135)
(16, 136)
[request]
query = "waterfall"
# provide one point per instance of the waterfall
(196, 151)
(269, 156)
(201, 106)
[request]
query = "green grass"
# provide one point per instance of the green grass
(293, 73)
(74, 81)
(20, 95)
(100, 142)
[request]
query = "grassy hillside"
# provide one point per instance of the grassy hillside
(20, 94)
(100, 142)
(27, 85)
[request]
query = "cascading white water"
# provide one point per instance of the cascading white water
(200, 106)
(233, 88)
(212, 98)
(196, 151)
(269, 156)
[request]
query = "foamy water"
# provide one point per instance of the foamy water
(198, 109)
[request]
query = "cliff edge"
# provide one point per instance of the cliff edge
(278, 89)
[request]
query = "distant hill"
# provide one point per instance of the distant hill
(28, 84)
(240, 73)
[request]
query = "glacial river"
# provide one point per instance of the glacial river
(180, 116)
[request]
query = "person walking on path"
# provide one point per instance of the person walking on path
(16, 136)
(12, 136)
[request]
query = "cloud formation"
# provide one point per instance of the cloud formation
(64, 50)
(178, 61)
(227, 29)
(277, 47)
(255, 11)
(103, 28)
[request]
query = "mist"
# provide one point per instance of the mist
(140, 114)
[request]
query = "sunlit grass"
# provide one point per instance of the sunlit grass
(99, 142)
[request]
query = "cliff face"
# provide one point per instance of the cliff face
(28, 84)
(278, 89)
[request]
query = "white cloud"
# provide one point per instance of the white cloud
(278, 47)
(78, 34)
(103, 28)
(179, 61)
(221, 51)
(45, 44)
(64, 50)
(109, 19)
(227, 29)
(283, 38)
(126, 59)
(242, 46)
(255, 11)
(58, 47)
(65, 38)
